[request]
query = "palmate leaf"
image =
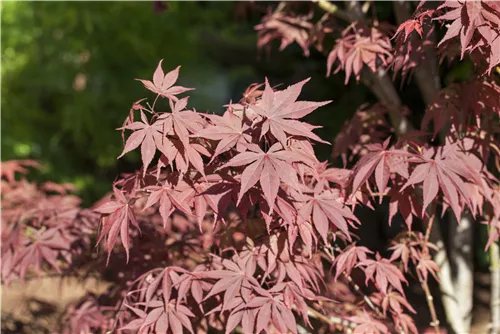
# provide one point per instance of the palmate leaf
(46, 248)
(383, 273)
(118, 215)
(279, 25)
(267, 168)
(169, 199)
(406, 323)
(470, 18)
(359, 47)
(445, 171)
(235, 280)
(149, 136)
(280, 112)
(494, 234)
(349, 258)
(324, 208)
(160, 318)
(381, 161)
(392, 301)
(229, 130)
(10, 168)
(367, 324)
(163, 84)
(272, 308)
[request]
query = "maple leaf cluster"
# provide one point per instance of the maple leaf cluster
(43, 225)
(257, 156)
(257, 162)
(241, 217)
(289, 29)
(477, 24)
(232, 222)
(358, 47)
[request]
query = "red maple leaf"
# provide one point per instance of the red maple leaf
(235, 280)
(406, 203)
(470, 17)
(360, 47)
(383, 273)
(406, 323)
(161, 318)
(169, 200)
(409, 26)
(279, 25)
(382, 162)
(443, 172)
(393, 300)
(349, 257)
(267, 168)
(181, 123)
(84, 318)
(118, 214)
(426, 265)
(229, 130)
(251, 94)
(324, 207)
(494, 232)
(149, 136)
(163, 84)
(10, 168)
(46, 247)
(273, 308)
(280, 112)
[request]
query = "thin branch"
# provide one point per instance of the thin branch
(430, 303)
(330, 320)
(333, 9)
(355, 286)
(423, 282)
(366, 7)
(381, 84)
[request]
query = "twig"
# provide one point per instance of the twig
(430, 303)
(423, 282)
(355, 286)
(331, 320)
(333, 9)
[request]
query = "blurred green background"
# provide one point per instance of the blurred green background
(68, 72)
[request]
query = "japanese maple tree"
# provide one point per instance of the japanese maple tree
(243, 229)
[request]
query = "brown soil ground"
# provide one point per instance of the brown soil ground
(36, 306)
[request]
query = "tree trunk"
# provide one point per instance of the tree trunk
(495, 288)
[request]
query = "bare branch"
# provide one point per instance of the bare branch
(333, 9)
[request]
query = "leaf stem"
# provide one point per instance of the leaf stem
(430, 302)
(423, 282)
